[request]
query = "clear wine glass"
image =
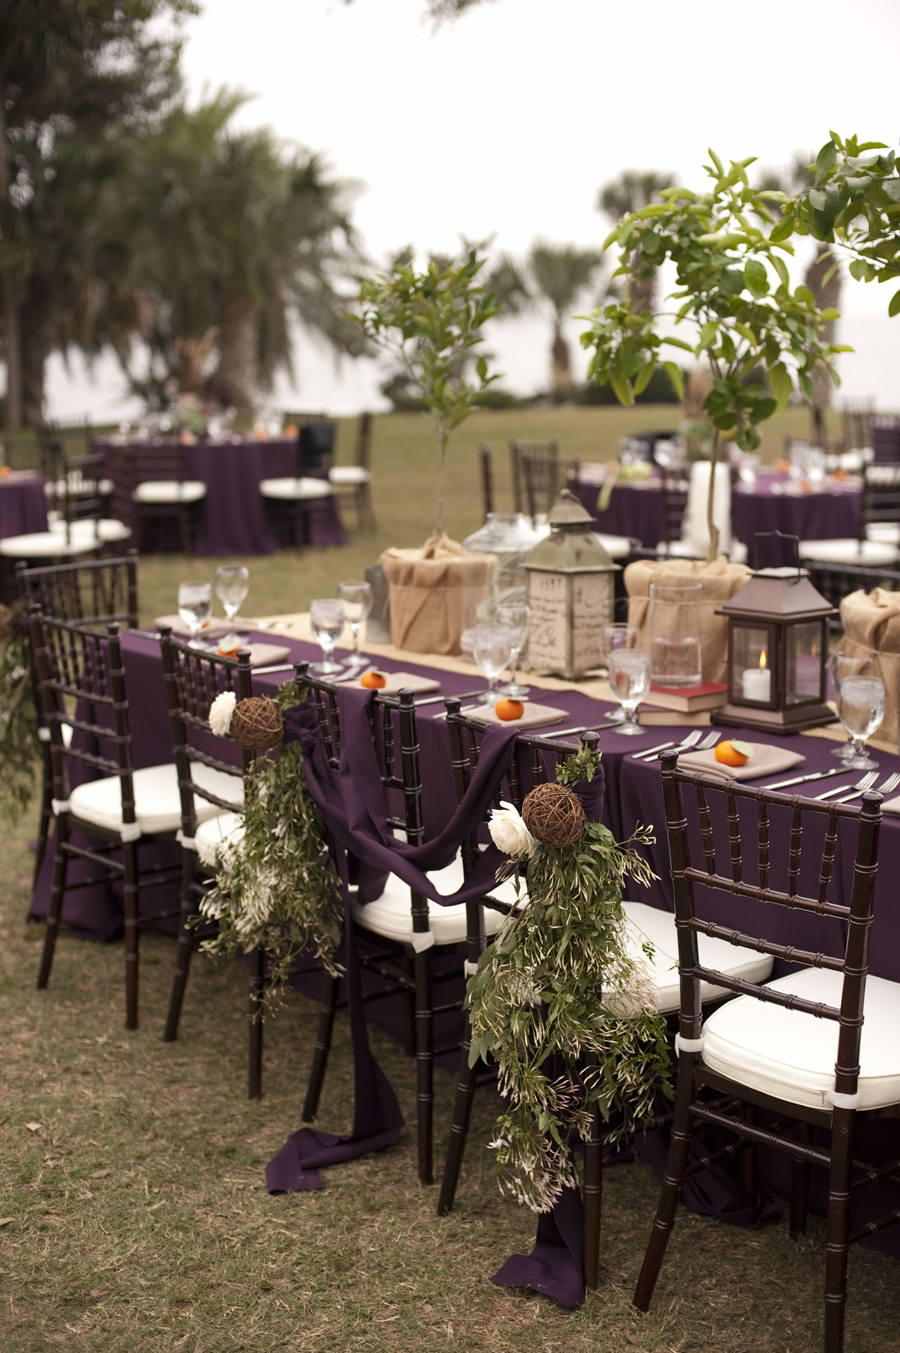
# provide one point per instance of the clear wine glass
(516, 619)
(195, 608)
(629, 681)
(357, 599)
(491, 647)
(232, 586)
(613, 637)
(860, 701)
(326, 616)
(843, 749)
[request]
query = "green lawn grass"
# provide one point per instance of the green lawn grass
(134, 1214)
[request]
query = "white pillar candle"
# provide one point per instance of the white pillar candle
(756, 684)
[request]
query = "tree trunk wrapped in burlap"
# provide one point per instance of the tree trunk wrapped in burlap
(435, 591)
(719, 581)
(872, 620)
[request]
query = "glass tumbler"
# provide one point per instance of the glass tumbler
(675, 626)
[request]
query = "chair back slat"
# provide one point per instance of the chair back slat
(94, 593)
(487, 479)
(828, 854)
(709, 849)
(734, 836)
(762, 842)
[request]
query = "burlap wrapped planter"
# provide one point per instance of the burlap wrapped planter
(719, 582)
(872, 620)
(434, 592)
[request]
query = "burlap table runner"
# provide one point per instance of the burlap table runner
(872, 620)
(719, 582)
(434, 592)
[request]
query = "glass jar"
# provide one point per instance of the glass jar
(675, 627)
(509, 536)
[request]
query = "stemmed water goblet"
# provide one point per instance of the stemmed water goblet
(859, 687)
(232, 586)
(326, 616)
(491, 647)
(516, 619)
(357, 599)
(629, 681)
(195, 608)
(613, 637)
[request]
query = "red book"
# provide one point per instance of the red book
(689, 699)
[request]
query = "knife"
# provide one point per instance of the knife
(815, 775)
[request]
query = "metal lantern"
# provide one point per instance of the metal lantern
(571, 584)
(777, 654)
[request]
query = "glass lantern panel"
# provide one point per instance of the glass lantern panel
(751, 672)
(804, 662)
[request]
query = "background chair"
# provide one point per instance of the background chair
(168, 495)
(544, 477)
(517, 451)
(486, 469)
(353, 483)
(293, 499)
(773, 1049)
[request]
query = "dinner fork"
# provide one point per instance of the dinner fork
(890, 783)
(863, 783)
(690, 741)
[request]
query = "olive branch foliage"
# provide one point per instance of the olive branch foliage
(19, 746)
(276, 888)
(565, 1010)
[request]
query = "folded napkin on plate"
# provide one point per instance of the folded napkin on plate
(213, 629)
(535, 716)
(766, 760)
(266, 655)
(397, 681)
(891, 805)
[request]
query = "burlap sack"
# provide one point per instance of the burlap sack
(433, 590)
(872, 620)
(719, 580)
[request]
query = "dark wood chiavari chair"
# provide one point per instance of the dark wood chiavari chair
(353, 483)
(485, 465)
(518, 451)
(672, 505)
(753, 1051)
(293, 499)
(81, 685)
(836, 581)
(168, 494)
(544, 477)
(93, 594)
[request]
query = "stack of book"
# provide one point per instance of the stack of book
(682, 706)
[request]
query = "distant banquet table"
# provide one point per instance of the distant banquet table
(233, 518)
(773, 503)
(23, 504)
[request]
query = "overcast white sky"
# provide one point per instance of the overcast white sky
(507, 121)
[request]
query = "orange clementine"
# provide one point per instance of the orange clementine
(509, 709)
(733, 753)
(373, 681)
(5, 470)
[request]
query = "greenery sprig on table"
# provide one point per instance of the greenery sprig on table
(276, 887)
(564, 1009)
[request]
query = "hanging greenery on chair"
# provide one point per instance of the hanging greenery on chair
(19, 747)
(276, 887)
(559, 1002)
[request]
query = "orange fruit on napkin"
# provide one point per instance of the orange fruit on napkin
(509, 709)
(733, 753)
(373, 681)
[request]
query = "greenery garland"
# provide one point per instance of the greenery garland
(19, 747)
(542, 1004)
(276, 886)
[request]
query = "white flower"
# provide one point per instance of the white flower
(509, 833)
(220, 712)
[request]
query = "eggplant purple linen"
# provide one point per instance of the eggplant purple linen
(23, 506)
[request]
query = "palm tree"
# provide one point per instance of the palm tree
(633, 190)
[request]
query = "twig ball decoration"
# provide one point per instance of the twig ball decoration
(554, 815)
(256, 723)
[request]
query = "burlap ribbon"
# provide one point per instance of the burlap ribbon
(872, 620)
(433, 589)
(719, 582)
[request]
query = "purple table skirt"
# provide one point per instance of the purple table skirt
(233, 518)
(23, 506)
(636, 510)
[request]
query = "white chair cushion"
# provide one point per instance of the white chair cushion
(617, 547)
(650, 923)
(79, 486)
(849, 551)
(343, 475)
(212, 833)
(156, 798)
(791, 1055)
(390, 914)
(295, 490)
(44, 545)
(885, 532)
(166, 491)
(92, 531)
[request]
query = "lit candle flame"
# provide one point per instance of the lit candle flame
(762, 658)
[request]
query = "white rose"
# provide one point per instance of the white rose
(509, 833)
(220, 712)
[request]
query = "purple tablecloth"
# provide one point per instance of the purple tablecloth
(635, 509)
(23, 505)
(233, 519)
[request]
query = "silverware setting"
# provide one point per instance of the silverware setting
(863, 783)
(814, 775)
(890, 782)
(690, 743)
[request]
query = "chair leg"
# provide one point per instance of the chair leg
(424, 1066)
(593, 1199)
(800, 1174)
(46, 814)
(186, 940)
(130, 903)
(750, 1164)
(838, 1246)
(255, 1023)
(673, 1180)
(327, 1006)
(57, 892)
(459, 1127)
